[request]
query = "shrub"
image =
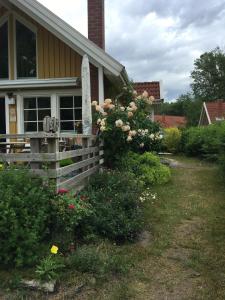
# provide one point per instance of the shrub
(114, 197)
(172, 139)
(69, 211)
(205, 142)
(24, 216)
(128, 127)
(147, 167)
(49, 268)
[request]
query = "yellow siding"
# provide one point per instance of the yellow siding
(12, 123)
(55, 58)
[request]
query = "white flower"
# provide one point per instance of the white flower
(126, 128)
(102, 128)
(98, 108)
(161, 136)
(133, 133)
(119, 123)
(103, 122)
(152, 136)
(146, 130)
(129, 109)
(142, 145)
(94, 103)
(122, 108)
(132, 104)
(139, 130)
(145, 94)
(99, 121)
(108, 101)
(151, 98)
(135, 93)
(130, 114)
(129, 139)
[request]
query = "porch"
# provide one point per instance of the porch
(66, 159)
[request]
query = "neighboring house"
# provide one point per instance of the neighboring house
(212, 112)
(41, 66)
(171, 121)
(155, 89)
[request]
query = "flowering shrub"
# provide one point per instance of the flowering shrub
(115, 198)
(69, 211)
(125, 128)
(146, 167)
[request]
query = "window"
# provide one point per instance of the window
(71, 113)
(25, 51)
(35, 110)
(4, 55)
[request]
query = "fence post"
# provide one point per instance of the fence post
(35, 147)
(53, 147)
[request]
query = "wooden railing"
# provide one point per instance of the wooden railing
(44, 153)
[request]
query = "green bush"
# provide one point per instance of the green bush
(147, 167)
(115, 198)
(205, 142)
(172, 139)
(24, 216)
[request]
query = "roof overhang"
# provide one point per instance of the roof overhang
(70, 36)
(39, 83)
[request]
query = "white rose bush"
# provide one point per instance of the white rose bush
(127, 126)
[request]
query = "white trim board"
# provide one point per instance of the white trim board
(207, 114)
(70, 36)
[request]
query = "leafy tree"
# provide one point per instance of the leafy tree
(209, 76)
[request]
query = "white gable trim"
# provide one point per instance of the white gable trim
(69, 35)
(207, 114)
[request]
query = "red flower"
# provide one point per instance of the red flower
(62, 191)
(71, 206)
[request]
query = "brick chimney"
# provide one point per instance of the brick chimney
(96, 22)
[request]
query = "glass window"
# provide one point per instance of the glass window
(4, 55)
(71, 113)
(25, 51)
(35, 110)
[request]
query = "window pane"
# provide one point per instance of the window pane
(66, 102)
(43, 113)
(29, 103)
(66, 114)
(30, 127)
(4, 70)
(26, 51)
(30, 115)
(40, 126)
(67, 126)
(78, 101)
(44, 102)
(78, 114)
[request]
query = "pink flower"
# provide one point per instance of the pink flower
(62, 191)
(71, 206)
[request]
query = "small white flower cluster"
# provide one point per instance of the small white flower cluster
(148, 196)
(102, 124)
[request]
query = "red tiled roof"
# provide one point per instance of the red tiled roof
(216, 110)
(171, 121)
(153, 88)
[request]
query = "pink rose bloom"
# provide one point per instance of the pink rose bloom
(62, 191)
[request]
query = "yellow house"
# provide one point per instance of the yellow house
(40, 66)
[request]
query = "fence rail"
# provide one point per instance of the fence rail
(45, 155)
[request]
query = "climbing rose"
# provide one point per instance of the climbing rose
(119, 123)
(94, 103)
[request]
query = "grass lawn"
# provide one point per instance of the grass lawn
(181, 255)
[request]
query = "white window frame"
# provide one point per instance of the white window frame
(3, 20)
(53, 94)
(34, 29)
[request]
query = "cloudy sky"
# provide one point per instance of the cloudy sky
(154, 39)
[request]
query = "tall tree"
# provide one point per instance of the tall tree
(209, 76)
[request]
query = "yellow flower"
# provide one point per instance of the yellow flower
(54, 249)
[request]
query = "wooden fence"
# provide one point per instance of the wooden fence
(45, 155)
